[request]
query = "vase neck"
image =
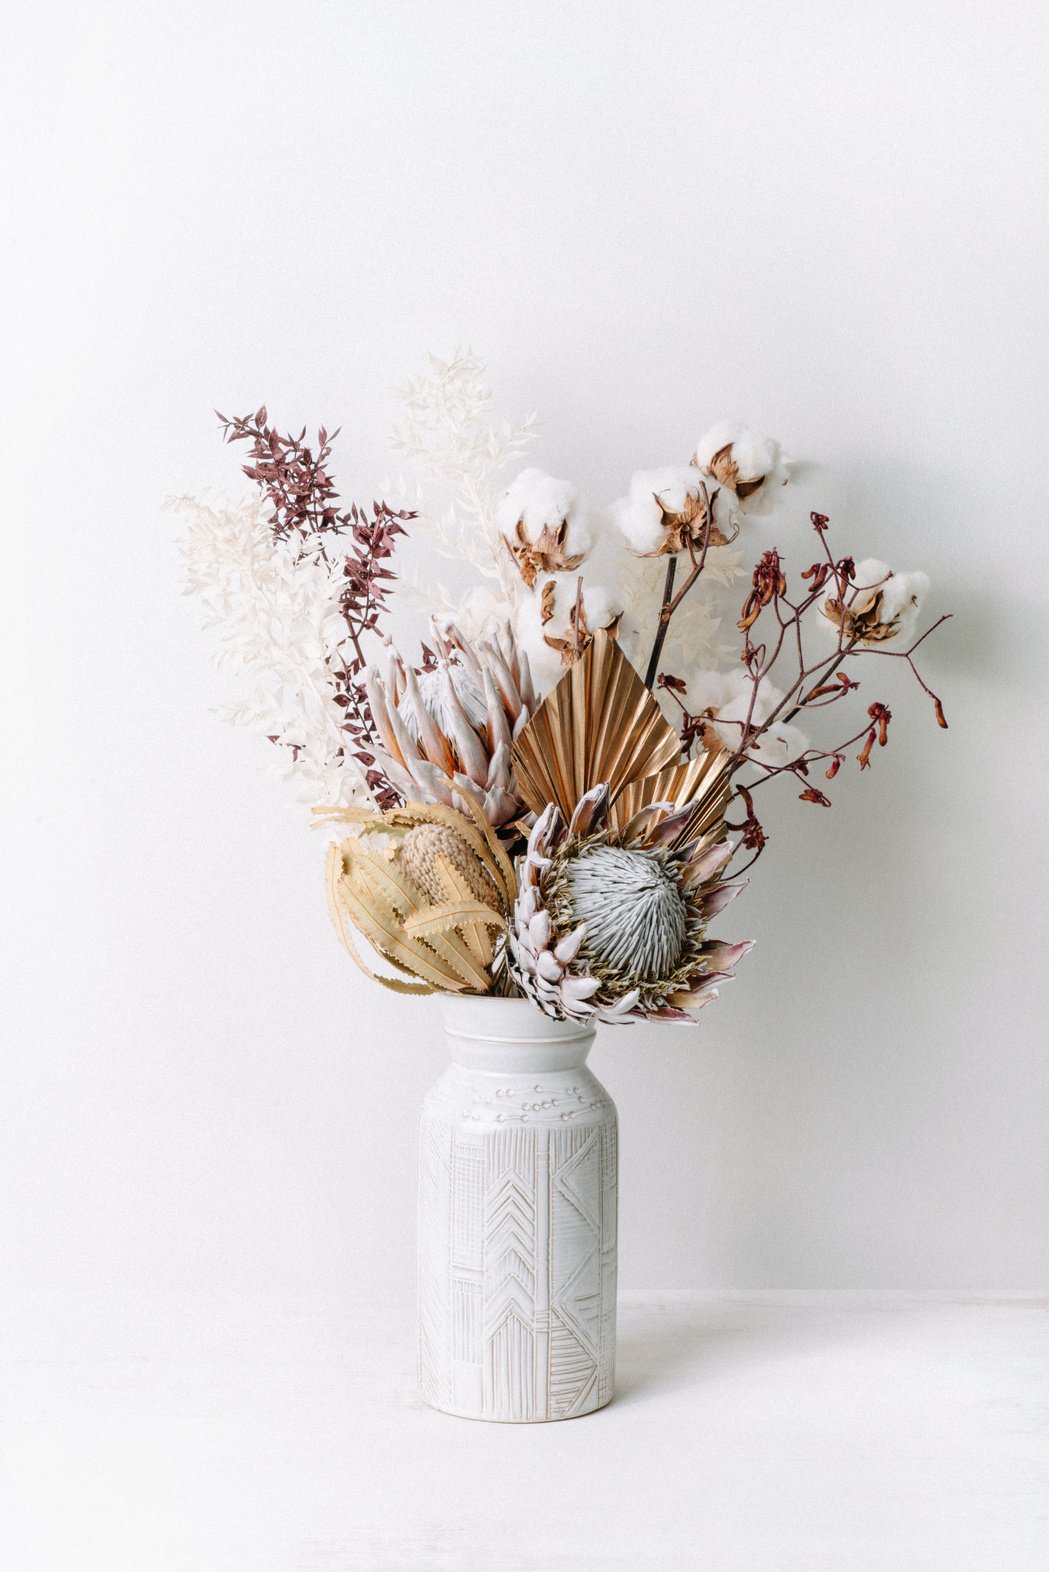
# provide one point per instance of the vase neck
(501, 1036)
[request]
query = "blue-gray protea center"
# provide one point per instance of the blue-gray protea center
(610, 922)
(635, 914)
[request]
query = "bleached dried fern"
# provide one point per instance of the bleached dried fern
(274, 607)
(447, 435)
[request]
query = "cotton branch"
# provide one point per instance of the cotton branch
(682, 535)
(867, 617)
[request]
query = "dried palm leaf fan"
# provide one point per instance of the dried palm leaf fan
(602, 726)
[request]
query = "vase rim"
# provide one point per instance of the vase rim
(482, 1017)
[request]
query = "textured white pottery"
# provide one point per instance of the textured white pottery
(517, 1219)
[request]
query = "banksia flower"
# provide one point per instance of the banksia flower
(430, 888)
(447, 733)
(611, 924)
(427, 847)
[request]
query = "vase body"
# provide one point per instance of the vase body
(517, 1219)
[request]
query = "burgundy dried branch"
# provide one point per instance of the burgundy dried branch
(299, 487)
(813, 684)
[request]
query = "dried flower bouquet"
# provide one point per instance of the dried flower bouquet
(540, 803)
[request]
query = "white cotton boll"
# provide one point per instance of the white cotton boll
(640, 523)
(658, 515)
(601, 608)
(543, 660)
(902, 599)
(555, 597)
(537, 501)
(728, 696)
(880, 606)
(871, 574)
(780, 745)
(738, 456)
(711, 690)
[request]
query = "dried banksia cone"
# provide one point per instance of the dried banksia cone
(430, 888)
(421, 852)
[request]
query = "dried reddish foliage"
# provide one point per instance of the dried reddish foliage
(772, 622)
(296, 481)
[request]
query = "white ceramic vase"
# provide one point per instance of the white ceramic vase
(517, 1219)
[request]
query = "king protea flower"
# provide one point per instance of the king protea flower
(447, 733)
(611, 923)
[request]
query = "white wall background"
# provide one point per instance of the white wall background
(644, 216)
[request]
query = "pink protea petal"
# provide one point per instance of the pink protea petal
(708, 862)
(719, 897)
(591, 812)
(670, 828)
(577, 989)
(398, 776)
(637, 828)
(499, 806)
(433, 781)
(568, 947)
(434, 742)
(547, 967)
(546, 832)
(503, 680)
(699, 982)
(623, 1006)
(499, 768)
(498, 724)
(693, 999)
(467, 743)
(723, 957)
(381, 715)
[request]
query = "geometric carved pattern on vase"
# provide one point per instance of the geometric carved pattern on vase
(517, 1249)
(510, 1242)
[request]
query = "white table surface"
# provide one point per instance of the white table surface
(758, 1431)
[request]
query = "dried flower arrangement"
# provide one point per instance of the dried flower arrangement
(524, 818)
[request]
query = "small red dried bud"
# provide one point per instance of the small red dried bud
(881, 716)
(865, 757)
(941, 719)
(675, 684)
(752, 834)
(819, 573)
(820, 521)
(812, 794)
(768, 582)
(835, 765)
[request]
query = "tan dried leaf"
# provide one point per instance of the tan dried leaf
(599, 725)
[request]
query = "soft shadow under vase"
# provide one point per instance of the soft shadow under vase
(517, 1219)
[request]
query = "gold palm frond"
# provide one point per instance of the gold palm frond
(599, 726)
(701, 782)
